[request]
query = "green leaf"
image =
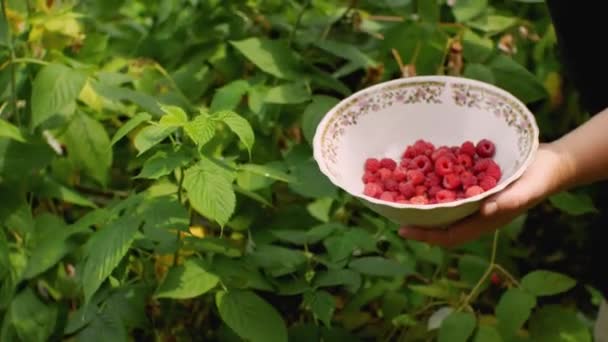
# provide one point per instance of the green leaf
(493, 24)
(476, 48)
(201, 129)
(55, 87)
(4, 256)
(271, 56)
(114, 93)
(439, 290)
(267, 171)
(8, 130)
(239, 125)
(546, 283)
(428, 10)
(129, 126)
(556, 324)
(322, 305)
(486, 333)
(573, 204)
(310, 182)
(457, 327)
(163, 163)
(151, 136)
(50, 188)
(468, 9)
(19, 160)
(288, 94)
(479, 72)
(472, 268)
(277, 261)
(516, 79)
(105, 326)
(104, 250)
(250, 316)
(310, 236)
(215, 245)
(210, 193)
(343, 277)
(186, 281)
(229, 96)
(321, 208)
(5, 33)
(313, 114)
(513, 310)
(32, 319)
(378, 266)
(340, 247)
(89, 147)
(174, 116)
(349, 52)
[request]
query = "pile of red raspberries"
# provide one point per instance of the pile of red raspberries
(429, 175)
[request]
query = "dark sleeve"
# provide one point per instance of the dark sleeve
(580, 31)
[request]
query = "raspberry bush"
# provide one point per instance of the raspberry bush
(157, 180)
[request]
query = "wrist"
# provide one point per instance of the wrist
(563, 167)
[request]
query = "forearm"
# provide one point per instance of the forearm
(584, 153)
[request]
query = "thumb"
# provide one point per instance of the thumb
(515, 197)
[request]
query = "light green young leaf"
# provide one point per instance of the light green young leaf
(313, 114)
(457, 327)
(229, 96)
(468, 9)
(513, 310)
(493, 24)
(151, 136)
(210, 193)
(55, 87)
(163, 163)
(573, 204)
(10, 131)
(251, 317)
(322, 304)
(174, 116)
(546, 283)
(186, 281)
(89, 147)
(239, 125)
(104, 251)
(288, 94)
(271, 56)
(201, 129)
(129, 126)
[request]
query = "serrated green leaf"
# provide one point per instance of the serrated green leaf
(129, 126)
(267, 171)
(185, 281)
(436, 290)
(322, 304)
(250, 316)
(105, 326)
(310, 236)
(253, 195)
(546, 283)
(311, 182)
(513, 310)
(320, 208)
(573, 204)
(32, 319)
(347, 51)
(239, 125)
(428, 10)
(201, 129)
(19, 160)
(479, 72)
(174, 116)
(486, 333)
(271, 56)
(215, 245)
(115, 93)
(210, 193)
(163, 163)
(476, 48)
(50, 188)
(8, 130)
(341, 246)
(313, 114)
(89, 147)
(468, 9)
(277, 261)
(557, 324)
(381, 267)
(344, 277)
(289, 93)
(151, 136)
(55, 87)
(516, 79)
(457, 327)
(229, 96)
(493, 24)
(104, 250)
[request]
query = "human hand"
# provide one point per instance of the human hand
(546, 175)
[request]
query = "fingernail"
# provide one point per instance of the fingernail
(490, 208)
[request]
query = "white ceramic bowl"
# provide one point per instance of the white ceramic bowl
(382, 120)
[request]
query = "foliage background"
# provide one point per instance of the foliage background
(156, 178)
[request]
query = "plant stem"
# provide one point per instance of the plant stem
(13, 70)
(507, 274)
(486, 274)
(292, 36)
(179, 199)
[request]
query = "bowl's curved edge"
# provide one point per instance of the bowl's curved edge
(447, 79)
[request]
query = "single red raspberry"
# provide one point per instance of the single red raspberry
(372, 164)
(423, 163)
(473, 191)
(444, 196)
(495, 279)
(444, 166)
(432, 201)
(419, 200)
(458, 169)
(405, 163)
(388, 163)
(421, 147)
(399, 174)
(439, 152)
(487, 183)
(385, 174)
(407, 189)
(369, 177)
(468, 179)
(455, 150)
(493, 170)
(465, 160)
(391, 185)
(432, 179)
(399, 197)
(451, 181)
(388, 196)
(433, 190)
(410, 153)
(468, 148)
(460, 195)
(481, 165)
(416, 177)
(373, 190)
(420, 190)
(485, 148)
